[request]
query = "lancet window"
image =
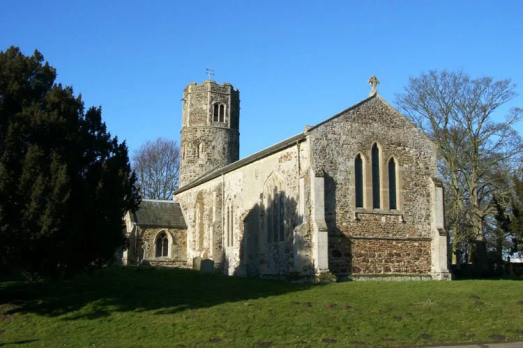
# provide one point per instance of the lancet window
(363, 183)
(392, 185)
(358, 169)
(375, 153)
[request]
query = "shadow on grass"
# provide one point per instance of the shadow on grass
(121, 289)
(16, 343)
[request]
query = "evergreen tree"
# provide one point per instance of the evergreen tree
(65, 182)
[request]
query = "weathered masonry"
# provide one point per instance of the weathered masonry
(354, 197)
(156, 235)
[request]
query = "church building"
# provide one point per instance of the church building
(353, 197)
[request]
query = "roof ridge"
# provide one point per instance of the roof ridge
(265, 152)
(344, 111)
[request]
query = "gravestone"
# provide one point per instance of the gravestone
(207, 266)
(196, 263)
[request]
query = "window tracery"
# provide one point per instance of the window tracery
(229, 228)
(274, 209)
(162, 245)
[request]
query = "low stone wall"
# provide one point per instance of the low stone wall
(165, 263)
(390, 277)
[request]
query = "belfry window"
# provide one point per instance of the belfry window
(392, 185)
(375, 177)
(162, 245)
(218, 113)
(215, 112)
(222, 113)
(358, 170)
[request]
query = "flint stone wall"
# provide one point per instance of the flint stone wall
(391, 250)
(146, 247)
(206, 144)
(246, 188)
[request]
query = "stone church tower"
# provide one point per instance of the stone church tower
(210, 129)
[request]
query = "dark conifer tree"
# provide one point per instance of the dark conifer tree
(65, 182)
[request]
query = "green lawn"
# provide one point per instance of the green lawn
(147, 307)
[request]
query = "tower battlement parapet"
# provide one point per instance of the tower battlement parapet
(210, 85)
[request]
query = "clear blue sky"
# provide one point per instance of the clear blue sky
(294, 62)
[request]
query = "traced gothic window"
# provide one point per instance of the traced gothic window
(162, 245)
(281, 217)
(392, 185)
(222, 113)
(228, 216)
(275, 216)
(230, 224)
(199, 226)
(358, 169)
(375, 177)
(269, 220)
(274, 210)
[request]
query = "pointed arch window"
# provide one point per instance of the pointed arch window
(230, 223)
(392, 185)
(270, 217)
(375, 177)
(358, 169)
(162, 245)
(281, 217)
(275, 215)
(275, 210)
(199, 226)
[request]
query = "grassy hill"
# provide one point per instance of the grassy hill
(148, 307)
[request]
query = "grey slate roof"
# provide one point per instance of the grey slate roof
(159, 214)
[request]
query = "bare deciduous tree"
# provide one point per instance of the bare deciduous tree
(156, 164)
(477, 148)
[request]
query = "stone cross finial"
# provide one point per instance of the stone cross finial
(373, 82)
(210, 73)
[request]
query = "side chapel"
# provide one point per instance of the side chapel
(353, 197)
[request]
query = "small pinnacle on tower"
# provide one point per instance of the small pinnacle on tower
(373, 82)
(210, 73)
